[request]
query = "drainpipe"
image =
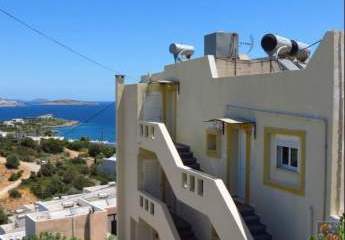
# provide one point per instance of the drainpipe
(301, 115)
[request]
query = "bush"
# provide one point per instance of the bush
(12, 162)
(78, 160)
(14, 193)
(52, 146)
(15, 176)
(3, 216)
(94, 150)
(47, 170)
(28, 142)
(80, 182)
(108, 151)
(49, 236)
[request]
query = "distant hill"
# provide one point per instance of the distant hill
(10, 103)
(67, 102)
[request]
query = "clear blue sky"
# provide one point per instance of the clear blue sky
(133, 37)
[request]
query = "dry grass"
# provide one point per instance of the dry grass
(13, 204)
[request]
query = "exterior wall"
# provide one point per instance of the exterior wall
(128, 112)
(309, 100)
(93, 226)
(309, 93)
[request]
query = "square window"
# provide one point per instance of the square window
(287, 152)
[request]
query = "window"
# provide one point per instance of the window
(287, 151)
(213, 143)
(284, 159)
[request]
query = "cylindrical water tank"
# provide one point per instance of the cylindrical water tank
(284, 47)
(183, 49)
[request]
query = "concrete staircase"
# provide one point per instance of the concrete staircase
(187, 156)
(256, 228)
(183, 227)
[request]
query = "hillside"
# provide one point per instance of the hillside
(67, 102)
(9, 103)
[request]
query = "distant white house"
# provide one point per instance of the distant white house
(18, 120)
(46, 116)
(3, 134)
(8, 123)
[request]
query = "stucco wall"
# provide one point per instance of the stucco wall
(308, 93)
(307, 100)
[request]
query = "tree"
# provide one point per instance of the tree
(12, 162)
(80, 182)
(49, 236)
(15, 176)
(28, 142)
(3, 216)
(53, 146)
(14, 193)
(94, 150)
(47, 170)
(108, 151)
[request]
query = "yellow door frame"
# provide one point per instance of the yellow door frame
(230, 143)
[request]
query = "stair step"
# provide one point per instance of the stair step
(182, 147)
(265, 236)
(251, 219)
(257, 228)
(187, 161)
(195, 166)
(186, 155)
(246, 210)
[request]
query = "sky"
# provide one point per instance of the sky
(132, 37)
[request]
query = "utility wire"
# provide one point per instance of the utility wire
(314, 43)
(96, 114)
(53, 40)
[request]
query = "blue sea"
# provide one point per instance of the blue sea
(97, 121)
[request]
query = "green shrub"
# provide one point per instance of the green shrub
(49, 236)
(15, 176)
(80, 182)
(94, 150)
(78, 160)
(108, 151)
(28, 142)
(3, 216)
(12, 162)
(52, 146)
(47, 170)
(14, 193)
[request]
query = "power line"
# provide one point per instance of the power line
(53, 40)
(314, 43)
(96, 114)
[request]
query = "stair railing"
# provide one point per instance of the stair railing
(199, 190)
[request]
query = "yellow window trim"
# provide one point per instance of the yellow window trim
(209, 152)
(268, 133)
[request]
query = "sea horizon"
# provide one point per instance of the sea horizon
(97, 122)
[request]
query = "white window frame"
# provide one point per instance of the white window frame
(289, 142)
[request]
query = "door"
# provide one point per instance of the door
(238, 146)
(241, 166)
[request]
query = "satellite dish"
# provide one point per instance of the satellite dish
(249, 44)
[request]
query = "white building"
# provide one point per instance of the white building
(221, 147)
(89, 215)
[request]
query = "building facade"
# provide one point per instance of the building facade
(232, 148)
(90, 215)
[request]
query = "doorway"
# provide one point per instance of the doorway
(238, 160)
